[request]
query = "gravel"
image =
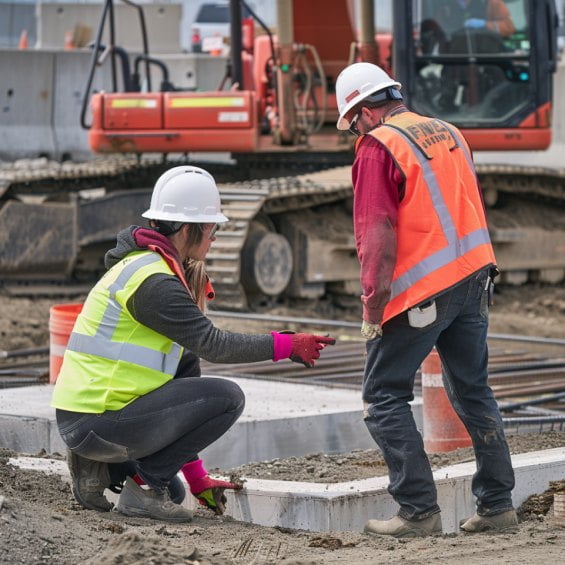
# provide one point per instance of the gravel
(366, 463)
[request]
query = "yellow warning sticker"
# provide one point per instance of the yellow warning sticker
(134, 103)
(208, 102)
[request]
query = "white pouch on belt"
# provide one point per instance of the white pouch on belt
(423, 315)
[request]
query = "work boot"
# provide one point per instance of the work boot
(497, 523)
(403, 528)
(148, 503)
(89, 479)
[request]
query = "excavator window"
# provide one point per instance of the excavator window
(472, 60)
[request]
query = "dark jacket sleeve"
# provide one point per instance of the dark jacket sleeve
(162, 304)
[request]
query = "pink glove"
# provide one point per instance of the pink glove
(208, 491)
(300, 348)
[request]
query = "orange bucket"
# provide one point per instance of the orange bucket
(62, 319)
(443, 429)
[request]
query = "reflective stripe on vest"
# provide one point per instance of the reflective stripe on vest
(456, 247)
(101, 343)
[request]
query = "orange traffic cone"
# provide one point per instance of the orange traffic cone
(23, 43)
(69, 43)
(443, 430)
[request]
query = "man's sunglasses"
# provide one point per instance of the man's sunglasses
(387, 94)
(353, 124)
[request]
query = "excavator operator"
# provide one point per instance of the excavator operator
(454, 15)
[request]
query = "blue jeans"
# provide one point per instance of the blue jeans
(160, 431)
(459, 334)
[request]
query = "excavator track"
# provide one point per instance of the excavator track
(57, 219)
(540, 182)
(525, 206)
(242, 203)
(287, 235)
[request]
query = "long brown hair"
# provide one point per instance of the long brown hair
(196, 279)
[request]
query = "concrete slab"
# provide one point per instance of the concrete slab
(347, 506)
(280, 419)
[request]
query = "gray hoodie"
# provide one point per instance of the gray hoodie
(162, 303)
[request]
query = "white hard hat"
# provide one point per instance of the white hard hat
(186, 194)
(355, 83)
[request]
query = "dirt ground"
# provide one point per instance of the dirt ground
(533, 310)
(366, 463)
(41, 523)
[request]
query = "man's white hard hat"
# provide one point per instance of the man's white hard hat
(186, 194)
(355, 83)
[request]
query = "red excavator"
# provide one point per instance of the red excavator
(291, 236)
(494, 81)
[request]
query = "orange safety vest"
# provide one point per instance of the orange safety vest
(442, 234)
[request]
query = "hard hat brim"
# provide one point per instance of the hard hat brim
(343, 123)
(200, 219)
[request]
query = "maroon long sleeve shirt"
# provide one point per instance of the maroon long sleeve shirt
(378, 188)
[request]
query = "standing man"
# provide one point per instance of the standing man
(427, 267)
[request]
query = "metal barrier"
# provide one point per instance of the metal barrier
(42, 92)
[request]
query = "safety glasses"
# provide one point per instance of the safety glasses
(212, 233)
(353, 124)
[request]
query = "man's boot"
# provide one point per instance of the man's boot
(504, 521)
(89, 479)
(403, 528)
(148, 503)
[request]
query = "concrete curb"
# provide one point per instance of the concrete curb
(347, 506)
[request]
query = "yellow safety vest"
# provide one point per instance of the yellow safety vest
(111, 359)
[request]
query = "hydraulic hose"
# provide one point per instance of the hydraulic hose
(323, 84)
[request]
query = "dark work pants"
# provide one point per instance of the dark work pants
(459, 334)
(160, 431)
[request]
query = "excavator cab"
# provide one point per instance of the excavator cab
(489, 72)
